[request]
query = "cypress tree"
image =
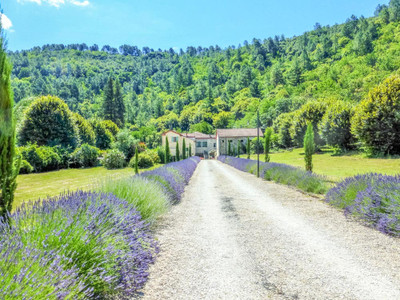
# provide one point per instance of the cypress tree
(136, 161)
(183, 149)
(248, 148)
(108, 101)
(309, 147)
(167, 152)
(238, 149)
(9, 163)
(119, 106)
(178, 157)
(267, 146)
(190, 150)
(229, 148)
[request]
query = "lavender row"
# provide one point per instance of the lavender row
(173, 177)
(374, 198)
(281, 173)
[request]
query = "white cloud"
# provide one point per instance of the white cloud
(5, 22)
(58, 3)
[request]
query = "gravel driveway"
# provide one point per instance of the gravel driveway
(234, 236)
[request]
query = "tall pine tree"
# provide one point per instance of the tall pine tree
(119, 105)
(9, 164)
(108, 101)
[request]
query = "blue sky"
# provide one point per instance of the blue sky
(164, 24)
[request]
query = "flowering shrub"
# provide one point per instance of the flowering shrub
(173, 177)
(113, 159)
(280, 173)
(374, 198)
(79, 245)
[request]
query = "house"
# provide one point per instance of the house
(235, 136)
(203, 145)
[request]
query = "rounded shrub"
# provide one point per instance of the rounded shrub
(26, 167)
(144, 161)
(85, 156)
(49, 122)
(335, 127)
(40, 158)
(104, 137)
(113, 159)
(154, 156)
(85, 130)
(376, 122)
(125, 143)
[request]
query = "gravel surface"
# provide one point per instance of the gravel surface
(234, 236)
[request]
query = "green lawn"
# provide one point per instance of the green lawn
(41, 185)
(337, 167)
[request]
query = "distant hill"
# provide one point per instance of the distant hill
(214, 87)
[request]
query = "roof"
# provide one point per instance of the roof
(238, 132)
(198, 136)
(165, 133)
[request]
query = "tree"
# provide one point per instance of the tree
(394, 10)
(276, 76)
(267, 145)
(136, 161)
(85, 130)
(104, 137)
(119, 106)
(376, 122)
(183, 149)
(190, 150)
(248, 148)
(238, 149)
(229, 148)
(108, 101)
(309, 147)
(178, 157)
(167, 152)
(9, 164)
(222, 120)
(49, 122)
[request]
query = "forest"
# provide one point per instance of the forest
(318, 77)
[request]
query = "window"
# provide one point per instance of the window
(174, 139)
(215, 145)
(223, 141)
(204, 144)
(198, 144)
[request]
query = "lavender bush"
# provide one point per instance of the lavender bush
(79, 245)
(281, 173)
(374, 198)
(173, 177)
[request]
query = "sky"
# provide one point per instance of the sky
(168, 24)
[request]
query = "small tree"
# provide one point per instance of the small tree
(309, 147)
(183, 149)
(167, 152)
(136, 160)
(238, 149)
(190, 150)
(178, 157)
(267, 145)
(248, 148)
(9, 166)
(229, 148)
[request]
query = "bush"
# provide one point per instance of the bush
(161, 154)
(113, 159)
(374, 198)
(311, 112)
(282, 126)
(49, 122)
(85, 130)
(83, 245)
(154, 156)
(125, 143)
(40, 158)
(335, 127)
(145, 195)
(104, 137)
(25, 168)
(376, 122)
(111, 126)
(145, 161)
(85, 156)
